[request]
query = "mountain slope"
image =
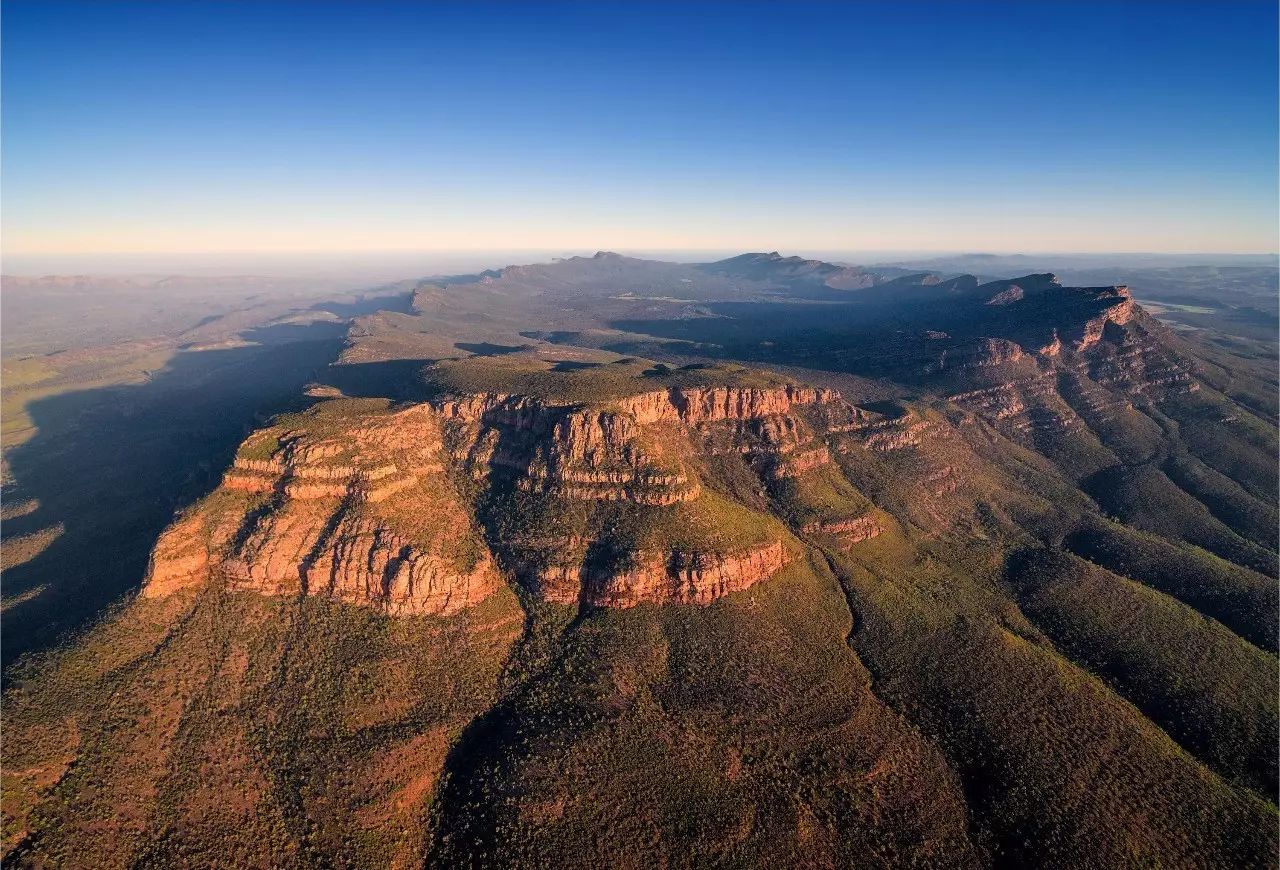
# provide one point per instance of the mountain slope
(548, 604)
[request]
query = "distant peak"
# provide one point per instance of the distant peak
(1040, 278)
(604, 255)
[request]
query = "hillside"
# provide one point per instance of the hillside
(766, 562)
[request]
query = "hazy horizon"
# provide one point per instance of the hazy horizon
(398, 265)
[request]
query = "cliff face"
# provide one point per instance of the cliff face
(850, 531)
(1119, 309)
(639, 450)
(359, 504)
(659, 577)
(352, 506)
(620, 452)
(575, 452)
(687, 578)
(1071, 361)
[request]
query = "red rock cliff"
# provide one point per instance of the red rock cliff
(355, 509)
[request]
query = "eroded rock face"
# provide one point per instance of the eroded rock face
(621, 451)
(1008, 297)
(894, 435)
(687, 578)
(659, 577)
(182, 557)
(693, 406)
(849, 531)
(359, 504)
(575, 452)
(355, 508)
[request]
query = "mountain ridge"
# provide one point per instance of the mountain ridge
(532, 597)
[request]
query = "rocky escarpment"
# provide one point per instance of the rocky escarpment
(342, 503)
(1119, 310)
(361, 502)
(1072, 359)
(572, 451)
(852, 530)
(660, 577)
(617, 451)
(358, 502)
(640, 450)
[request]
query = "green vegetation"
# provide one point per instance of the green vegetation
(263, 445)
(31, 380)
(1057, 770)
(584, 382)
(1243, 600)
(1059, 652)
(329, 416)
(1145, 498)
(1245, 514)
(1211, 691)
(745, 732)
(820, 494)
(264, 732)
(611, 534)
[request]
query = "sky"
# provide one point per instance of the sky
(176, 128)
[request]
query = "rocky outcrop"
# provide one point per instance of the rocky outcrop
(891, 435)
(676, 405)
(369, 461)
(942, 480)
(779, 446)
(620, 449)
(1087, 375)
(1133, 360)
(349, 506)
(182, 557)
(995, 403)
(1088, 310)
(985, 353)
(1052, 348)
(356, 503)
(687, 578)
(709, 405)
(849, 531)
(1007, 297)
(665, 577)
(571, 451)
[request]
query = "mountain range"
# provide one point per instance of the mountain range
(761, 562)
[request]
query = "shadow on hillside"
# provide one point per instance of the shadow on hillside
(396, 379)
(398, 303)
(485, 348)
(867, 339)
(112, 465)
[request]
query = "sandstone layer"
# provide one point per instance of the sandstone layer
(359, 502)
(349, 505)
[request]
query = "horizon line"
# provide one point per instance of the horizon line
(332, 252)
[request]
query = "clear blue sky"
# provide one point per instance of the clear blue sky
(205, 126)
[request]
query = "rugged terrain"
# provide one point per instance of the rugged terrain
(759, 562)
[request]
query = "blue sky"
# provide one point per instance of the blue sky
(171, 127)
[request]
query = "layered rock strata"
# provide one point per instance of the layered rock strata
(848, 531)
(359, 505)
(356, 509)
(659, 577)
(616, 452)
